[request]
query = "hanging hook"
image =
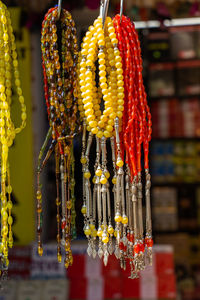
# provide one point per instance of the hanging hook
(104, 10)
(59, 7)
(121, 9)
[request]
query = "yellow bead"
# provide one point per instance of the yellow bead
(90, 118)
(104, 92)
(108, 111)
(112, 62)
(109, 20)
(112, 35)
(117, 52)
(69, 204)
(9, 205)
(82, 114)
(84, 51)
(111, 29)
(94, 233)
(87, 231)
(102, 67)
(111, 57)
(87, 175)
(120, 89)
(88, 128)
(119, 71)
(93, 124)
(119, 114)
(102, 79)
(102, 73)
(83, 160)
(105, 239)
(120, 83)
(99, 232)
(120, 107)
(103, 180)
(92, 226)
(107, 134)
(111, 122)
(3, 19)
(120, 102)
(101, 124)
(120, 163)
(23, 116)
(59, 257)
(101, 55)
(4, 216)
(98, 172)
(39, 195)
(5, 37)
(89, 112)
(109, 128)
(94, 179)
(40, 251)
(2, 88)
(88, 105)
(100, 134)
(114, 41)
(10, 220)
(110, 229)
(118, 218)
(124, 220)
(101, 61)
(89, 63)
(103, 85)
(114, 180)
(94, 130)
(107, 174)
(103, 118)
(101, 42)
(112, 115)
(84, 210)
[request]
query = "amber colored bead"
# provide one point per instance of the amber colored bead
(40, 250)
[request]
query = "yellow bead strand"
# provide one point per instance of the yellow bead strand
(101, 44)
(8, 65)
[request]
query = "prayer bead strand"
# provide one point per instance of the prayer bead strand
(8, 131)
(61, 92)
(136, 132)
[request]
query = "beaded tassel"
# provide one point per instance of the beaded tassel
(8, 67)
(61, 92)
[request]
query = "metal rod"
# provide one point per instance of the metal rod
(101, 8)
(59, 7)
(105, 11)
(121, 9)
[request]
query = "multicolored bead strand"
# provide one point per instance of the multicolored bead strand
(8, 67)
(61, 93)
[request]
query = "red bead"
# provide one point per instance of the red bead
(121, 246)
(132, 238)
(149, 242)
(63, 224)
(137, 248)
(142, 247)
